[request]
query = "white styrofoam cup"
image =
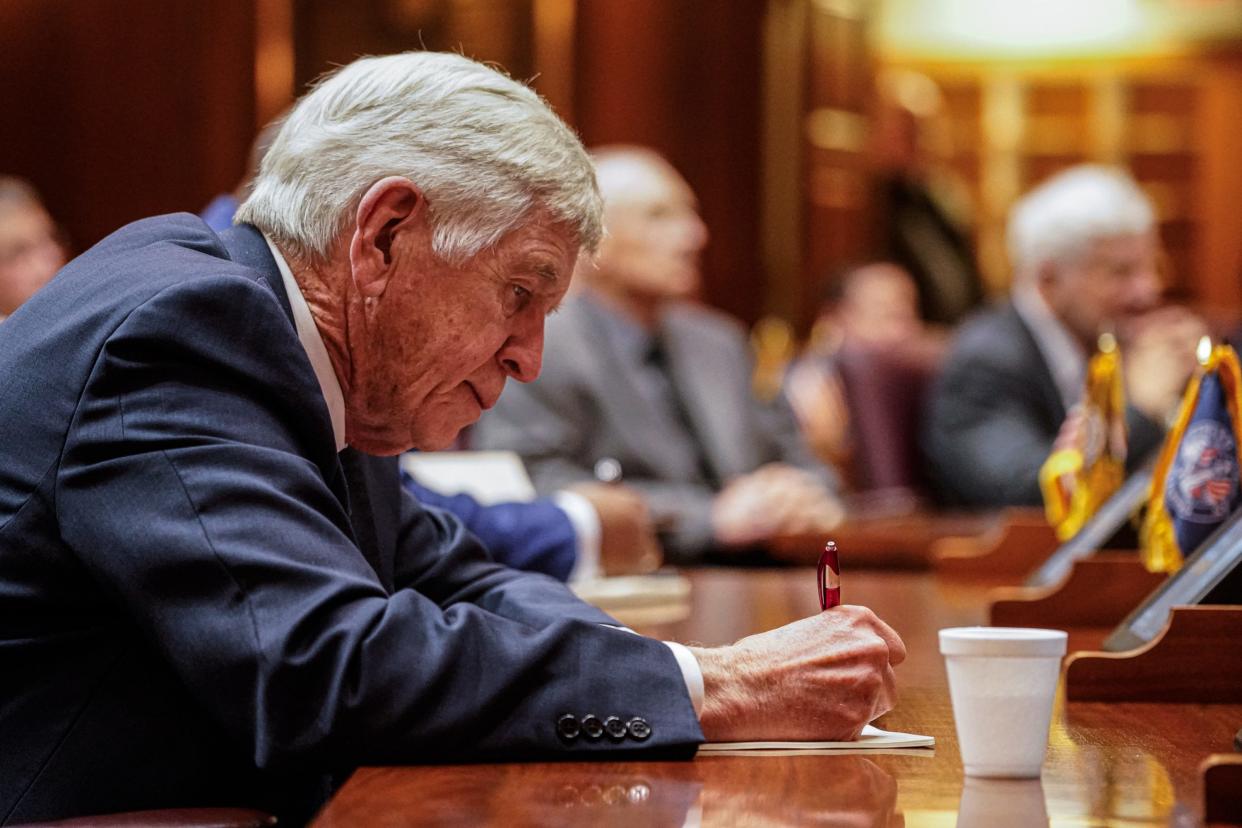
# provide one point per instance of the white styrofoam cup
(1002, 681)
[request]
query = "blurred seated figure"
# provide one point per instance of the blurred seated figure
(923, 223)
(1085, 255)
(571, 535)
(638, 380)
(31, 249)
(858, 388)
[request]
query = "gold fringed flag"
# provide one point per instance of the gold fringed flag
(1078, 478)
(1194, 487)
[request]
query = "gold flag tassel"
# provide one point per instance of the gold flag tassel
(1077, 479)
(1157, 540)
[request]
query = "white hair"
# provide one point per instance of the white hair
(484, 149)
(1058, 220)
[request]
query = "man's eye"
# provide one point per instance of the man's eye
(516, 298)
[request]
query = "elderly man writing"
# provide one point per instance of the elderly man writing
(212, 588)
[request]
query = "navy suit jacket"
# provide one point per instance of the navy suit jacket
(201, 603)
(536, 536)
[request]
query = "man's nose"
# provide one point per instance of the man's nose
(696, 231)
(521, 356)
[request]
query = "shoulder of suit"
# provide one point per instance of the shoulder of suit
(164, 252)
(995, 335)
(706, 321)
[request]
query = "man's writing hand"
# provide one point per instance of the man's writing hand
(821, 678)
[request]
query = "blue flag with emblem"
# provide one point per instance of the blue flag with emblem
(1196, 485)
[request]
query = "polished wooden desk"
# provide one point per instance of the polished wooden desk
(1123, 764)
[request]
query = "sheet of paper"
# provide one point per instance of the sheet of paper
(871, 738)
(488, 476)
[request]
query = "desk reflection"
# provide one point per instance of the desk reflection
(1014, 803)
(837, 791)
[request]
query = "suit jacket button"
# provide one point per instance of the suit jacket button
(639, 729)
(592, 726)
(615, 728)
(567, 727)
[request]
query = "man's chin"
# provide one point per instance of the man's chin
(389, 442)
(440, 439)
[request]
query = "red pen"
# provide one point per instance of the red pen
(829, 577)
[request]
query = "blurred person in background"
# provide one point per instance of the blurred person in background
(32, 248)
(870, 316)
(1086, 258)
(922, 219)
(641, 381)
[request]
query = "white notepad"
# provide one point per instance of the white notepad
(871, 738)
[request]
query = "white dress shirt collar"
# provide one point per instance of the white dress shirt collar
(312, 343)
(1065, 357)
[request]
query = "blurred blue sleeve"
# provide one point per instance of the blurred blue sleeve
(535, 536)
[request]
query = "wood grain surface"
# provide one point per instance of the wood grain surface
(1108, 764)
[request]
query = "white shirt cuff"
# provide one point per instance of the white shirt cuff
(691, 672)
(585, 521)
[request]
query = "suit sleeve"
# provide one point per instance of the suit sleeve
(547, 422)
(535, 536)
(186, 490)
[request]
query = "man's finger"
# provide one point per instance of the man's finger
(896, 647)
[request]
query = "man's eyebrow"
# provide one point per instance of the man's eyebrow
(546, 271)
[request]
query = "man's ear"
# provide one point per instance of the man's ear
(389, 208)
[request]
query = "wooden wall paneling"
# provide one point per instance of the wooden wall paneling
(782, 178)
(329, 33)
(122, 110)
(274, 60)
(1216, 274)
(553, 43)
(841, 225)
(685, 78)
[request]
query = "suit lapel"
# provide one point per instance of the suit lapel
(246, 246)
(1040, 373)
(643, 428)
(369, 497)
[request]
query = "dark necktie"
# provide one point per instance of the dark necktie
(656, 358)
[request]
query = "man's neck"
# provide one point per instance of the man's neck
(325, 286)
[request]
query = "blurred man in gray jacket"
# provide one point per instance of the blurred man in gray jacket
(638, 381)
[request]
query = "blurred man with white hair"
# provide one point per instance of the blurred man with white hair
(1085, 254)
(213, 590)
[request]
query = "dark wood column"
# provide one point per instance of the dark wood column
(120, 110)
(684, 78)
